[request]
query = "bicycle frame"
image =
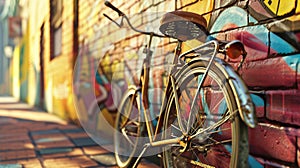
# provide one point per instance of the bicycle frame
(144, 84)
(145, 103)
(144, 81)
(246, 110)
(245, 106)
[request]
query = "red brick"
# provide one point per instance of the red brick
(55, 144)
(260, 112)
(66, 127)
(81, 161)
(298, 151)
(94, 150)
(52, 135)
(38, 126)
(14, 137)
(32, 164)
(13, 129)
(17, 154)
(283, 106)
(269, 141)
(16, 145)
(284, 76)
(78, 135)
(269, 164)
(74, 152)
(53, 125)
(6, 121)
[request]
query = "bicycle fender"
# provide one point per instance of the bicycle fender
(245, 105)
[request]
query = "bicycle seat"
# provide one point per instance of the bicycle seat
(183, 25)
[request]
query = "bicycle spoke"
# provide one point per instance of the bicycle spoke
(210, 116)
(175, 127)
(217, 143)
(217, 104)
(219, 131)
(219, 123)
(215, 126)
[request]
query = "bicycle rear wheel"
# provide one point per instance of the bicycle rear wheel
(128, 130)
(223, 141)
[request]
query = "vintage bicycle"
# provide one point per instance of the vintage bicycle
(206, 107)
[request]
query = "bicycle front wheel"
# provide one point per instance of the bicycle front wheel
(128, 129)
(220, 137)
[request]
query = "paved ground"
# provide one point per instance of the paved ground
(32, 138)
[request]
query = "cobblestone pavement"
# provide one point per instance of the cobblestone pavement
(35, 139)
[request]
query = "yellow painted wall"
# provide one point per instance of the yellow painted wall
(15, 73)
(57, 71)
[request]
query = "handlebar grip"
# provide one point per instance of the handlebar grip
(108, 4)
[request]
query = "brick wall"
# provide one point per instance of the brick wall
(269, 30)
(60, 68)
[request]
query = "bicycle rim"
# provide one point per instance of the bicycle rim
(128, 130)
(226, 145)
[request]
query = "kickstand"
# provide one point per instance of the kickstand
(146, 146)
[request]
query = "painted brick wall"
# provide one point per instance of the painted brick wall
(60, 68)
(269, 30)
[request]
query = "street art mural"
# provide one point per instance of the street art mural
(110, 59)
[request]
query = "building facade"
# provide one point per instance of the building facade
(43, 59)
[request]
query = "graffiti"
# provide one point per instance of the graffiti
(261, 44)
(111, 58)
(270, 43)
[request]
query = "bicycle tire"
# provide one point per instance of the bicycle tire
(211, 106)
(128, 121)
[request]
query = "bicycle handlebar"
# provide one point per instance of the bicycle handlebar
(108, 4)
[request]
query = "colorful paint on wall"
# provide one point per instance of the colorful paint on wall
(110, 60)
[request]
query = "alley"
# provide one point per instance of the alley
(32, 138)
(68, 68)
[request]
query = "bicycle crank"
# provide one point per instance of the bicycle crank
(184, 142)
(196, 163)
